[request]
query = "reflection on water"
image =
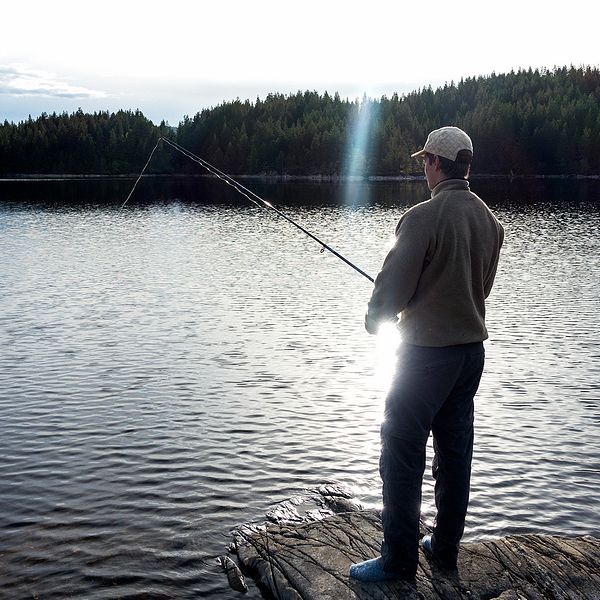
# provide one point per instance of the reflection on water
(172, 370)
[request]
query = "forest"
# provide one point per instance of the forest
(528, 122)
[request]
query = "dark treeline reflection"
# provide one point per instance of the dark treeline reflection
(199, 191)
(208, 191)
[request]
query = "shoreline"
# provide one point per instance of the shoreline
(18, 177)
(293, 556)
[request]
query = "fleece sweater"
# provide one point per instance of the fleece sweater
(440, 269)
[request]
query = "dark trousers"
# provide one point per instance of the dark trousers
(432, 391)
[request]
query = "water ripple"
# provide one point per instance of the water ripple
(167, 374)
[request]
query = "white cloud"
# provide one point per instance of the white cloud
(175, 59)
(19, 80)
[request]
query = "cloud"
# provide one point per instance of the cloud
(17, 80)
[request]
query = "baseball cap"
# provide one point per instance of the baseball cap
(446, 142)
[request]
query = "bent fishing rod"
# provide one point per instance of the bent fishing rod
(244, 191)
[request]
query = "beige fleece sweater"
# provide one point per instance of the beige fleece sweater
(440, 270)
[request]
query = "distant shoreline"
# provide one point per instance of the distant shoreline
(270, 177)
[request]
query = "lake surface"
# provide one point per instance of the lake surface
(177, 368)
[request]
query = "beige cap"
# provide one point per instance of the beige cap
(446, 142)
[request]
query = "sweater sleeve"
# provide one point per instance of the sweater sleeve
(397, 281)
(491, 274)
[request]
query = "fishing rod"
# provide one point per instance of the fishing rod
(244, 191)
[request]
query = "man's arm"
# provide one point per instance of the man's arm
(397, 281)
(491, 274)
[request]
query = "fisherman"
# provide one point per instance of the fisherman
(436, 279)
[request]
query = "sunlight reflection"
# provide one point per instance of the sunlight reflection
(357, 154)
(384, 362)
(388, 338)
(391, 242)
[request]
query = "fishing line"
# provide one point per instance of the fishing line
(145, 167)
(249, 194)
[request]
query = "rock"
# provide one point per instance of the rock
(310, 561)
(234, 575)
(334, 490)
(339, 504)
(285, 512)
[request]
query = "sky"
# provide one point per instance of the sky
(174, 58)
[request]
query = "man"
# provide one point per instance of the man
(436, 277)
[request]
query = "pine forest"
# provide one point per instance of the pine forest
(528, 122)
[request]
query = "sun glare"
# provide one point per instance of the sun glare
(357, 149)
(388, 339)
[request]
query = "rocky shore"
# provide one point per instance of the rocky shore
(306, 557)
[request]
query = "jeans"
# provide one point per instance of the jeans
(432, 391)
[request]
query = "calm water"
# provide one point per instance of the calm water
(175, 369)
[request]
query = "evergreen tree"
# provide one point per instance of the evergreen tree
(525, 122)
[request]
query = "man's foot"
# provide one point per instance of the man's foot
(427, 546)
(371, 570)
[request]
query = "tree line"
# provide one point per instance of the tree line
(524, 122)
(80, 143)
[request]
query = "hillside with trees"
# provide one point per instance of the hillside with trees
(525, 122)
(80, 143)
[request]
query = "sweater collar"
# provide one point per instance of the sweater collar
(450, 184)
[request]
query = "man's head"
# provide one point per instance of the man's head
(447, 153)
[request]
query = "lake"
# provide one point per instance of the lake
(177, 368)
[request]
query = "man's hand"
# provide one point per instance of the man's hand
(371, 325)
